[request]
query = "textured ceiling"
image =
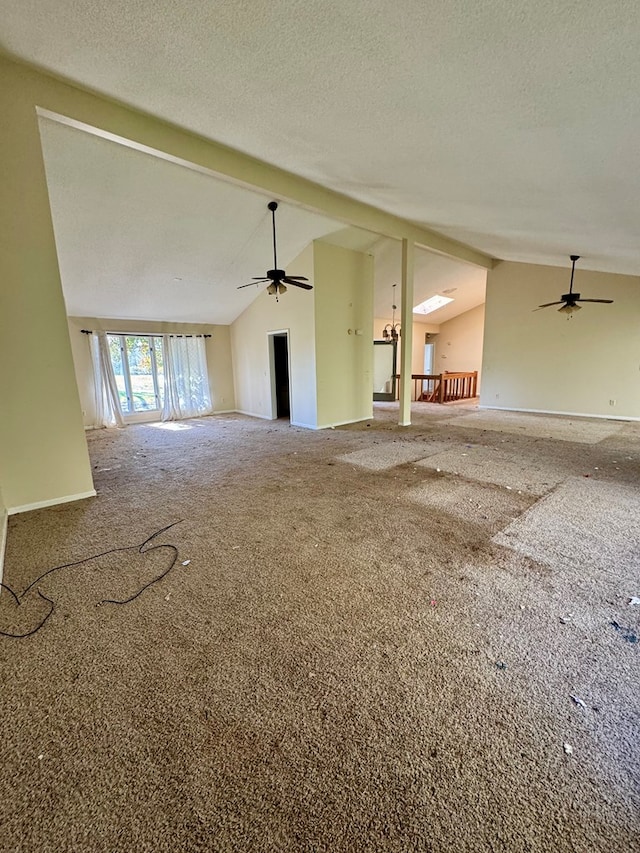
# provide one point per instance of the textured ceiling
(433, 274)
(139, 237)
(510, 125)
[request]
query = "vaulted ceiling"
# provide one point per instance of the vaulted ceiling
(139, 237)
(509, 125)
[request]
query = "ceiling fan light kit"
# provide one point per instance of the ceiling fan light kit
(276, 277)
(568, 301)
(569, 309)
(275, 289)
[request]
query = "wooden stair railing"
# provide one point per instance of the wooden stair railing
(458, 386)
(444, 387)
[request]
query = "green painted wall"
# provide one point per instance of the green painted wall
(343, 334)
(43, 453)
(542, 361)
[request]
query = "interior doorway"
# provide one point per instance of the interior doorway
(280, 385)
(429, 367)
(384, 370)
(429, 356)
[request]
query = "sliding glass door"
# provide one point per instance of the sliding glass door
(138, 365)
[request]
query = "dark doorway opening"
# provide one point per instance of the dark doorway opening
(281, 371)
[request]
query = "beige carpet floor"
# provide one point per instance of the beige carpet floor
(353, 652)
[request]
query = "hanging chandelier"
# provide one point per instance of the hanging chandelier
(391, 331)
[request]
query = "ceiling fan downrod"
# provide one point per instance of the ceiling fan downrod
(273, 206)
(573, 258)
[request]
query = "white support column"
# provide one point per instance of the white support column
(406, 323)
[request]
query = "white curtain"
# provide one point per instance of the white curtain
(108, 411)
(186, 381)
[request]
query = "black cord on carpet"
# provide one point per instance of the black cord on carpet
(37, 628)
(141, 550)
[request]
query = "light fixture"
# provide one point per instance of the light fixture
(432, 304)
(391, 331)
(276, 288)
(567, 301)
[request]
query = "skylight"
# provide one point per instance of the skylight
(432, 304)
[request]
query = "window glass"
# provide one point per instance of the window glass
(115, 349)
(157, 345)
(143, 391)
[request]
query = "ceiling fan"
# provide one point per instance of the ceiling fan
(276, 276)
(569, 300)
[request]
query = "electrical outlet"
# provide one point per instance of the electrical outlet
(612, 402)
(497, 396)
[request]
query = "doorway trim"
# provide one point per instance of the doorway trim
(391, 395)
(272, 372)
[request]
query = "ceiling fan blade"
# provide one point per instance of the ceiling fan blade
(549, 304)
(301, 284)
(298, 277)
(259, 278)
(251, 283)
(606, 301)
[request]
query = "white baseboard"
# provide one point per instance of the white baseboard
(566, 414)
(252, 414)
(303, 425)
(344, 423)
(14, 510)
(224, 412)
(3, 539)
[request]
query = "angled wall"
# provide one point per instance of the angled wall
(43, 453)
(534, 360)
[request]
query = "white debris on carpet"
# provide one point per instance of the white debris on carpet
(380, 457)
(583, 525)
(580, 430)
(500, 467)
(478, 503)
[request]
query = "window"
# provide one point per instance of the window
(432, 304)
(138, 364)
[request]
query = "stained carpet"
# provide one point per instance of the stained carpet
(347, 661)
